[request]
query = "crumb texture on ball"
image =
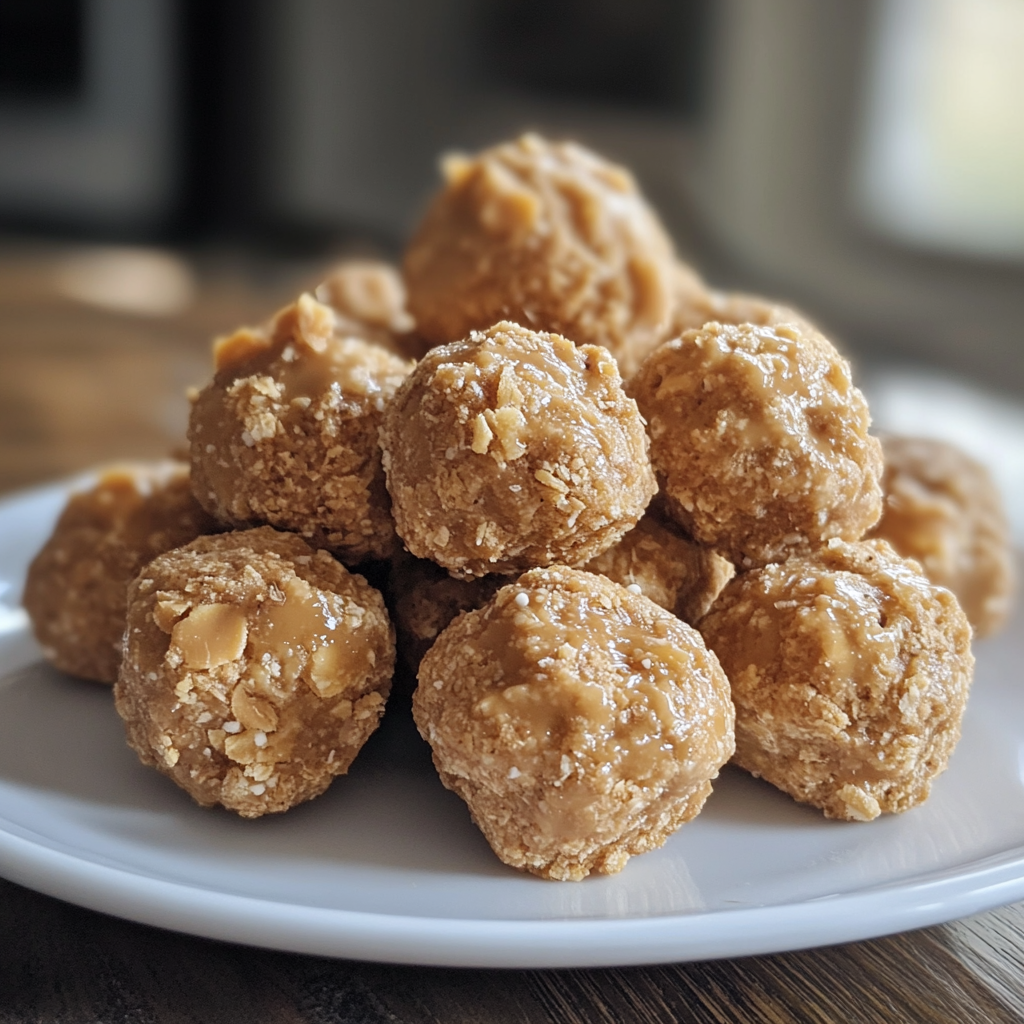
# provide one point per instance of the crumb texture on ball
(943, 509)
(850, 673)
(255, 668)
(514, 449)
(580, 722)
(657, 558)
(76, 591)
(548, 235)
(760, 440)
(286, 433)
(426, 598)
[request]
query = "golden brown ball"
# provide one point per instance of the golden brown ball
(76, 592)
(255, 669)
(850, 673)
(513, 449)
(581, 723)
(674, 571)
(943, 509)
(547, 235)
(368, 299)
(286, 433)
(760, 440)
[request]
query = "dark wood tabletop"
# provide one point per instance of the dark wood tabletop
(82, 383)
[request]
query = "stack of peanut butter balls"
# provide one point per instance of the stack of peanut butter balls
(623, 518)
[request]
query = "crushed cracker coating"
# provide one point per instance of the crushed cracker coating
(77, 586)
(270, 677)
(850, 673)
(561, 474)
(286, 434)
(760, 440)
(550, 236)
(943, 509)
(571, 753)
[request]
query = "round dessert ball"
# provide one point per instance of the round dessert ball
(943, 509)
(368, 299)
(286, 433)
(76, 592)
(426, 598)
(760, 440)
(665, 565)
(255, 669)
(580, 722)
(695, 307)
(548, 235)
(514, 449)
(849, 672)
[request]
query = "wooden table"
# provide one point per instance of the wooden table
(61, 365)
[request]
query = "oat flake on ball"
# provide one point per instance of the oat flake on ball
(760, 440)
(581, 723)
(255, 669)
(514, 449)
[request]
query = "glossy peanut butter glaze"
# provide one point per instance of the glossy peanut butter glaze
(76, 592)
(514, 449)
(255, 669)
(550, 236)
(850, 674)
(943, 509)
(580, 722)
(679, 574)
(286, 434)
(760, 440)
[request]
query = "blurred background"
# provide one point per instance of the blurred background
(172, 168)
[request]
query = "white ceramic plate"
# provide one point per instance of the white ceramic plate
(387, 866)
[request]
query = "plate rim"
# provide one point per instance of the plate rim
(474, 943)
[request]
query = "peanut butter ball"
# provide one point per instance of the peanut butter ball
(425, 599)
(286, 434)
(76, 592)
(514, 449)
(660, 561)
(849, 672)
(550, 236)
(368, 299)
(696, 304)
(580, 722)
(255, 669)
(760, 440)
(943, 509)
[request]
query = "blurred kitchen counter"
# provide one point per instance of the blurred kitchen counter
(95, 360)
(83, 382)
